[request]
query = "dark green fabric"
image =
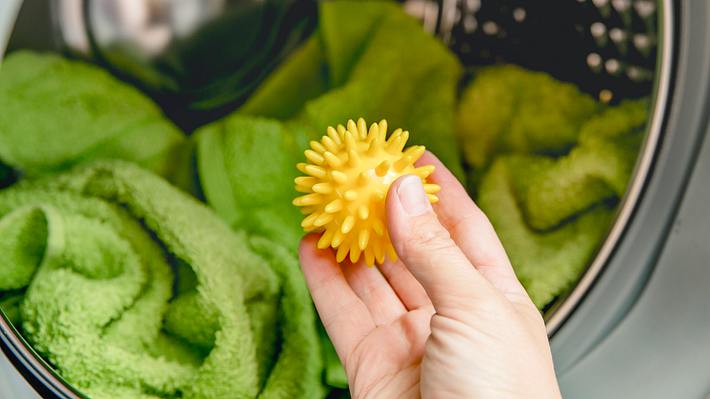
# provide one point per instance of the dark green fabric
(98, 250)
(549, 167)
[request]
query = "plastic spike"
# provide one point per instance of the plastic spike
(325, 239)
(354, 252)
(322, 188)
(314, 157)
(307, 181)
(308, 199)
(317, 147)
(307, 222)
(378, 226)
(362, 238)
(363, 212)
(333, 134)
(350, 195)
(350, 141)
(315, 171)
(348, 224)
(337, 239)
(333, 160)
(369, 256)
(431, 188)
(334, 206)
(383, 126)
(383, 168)
(304, 189)
(351, 127)
(424, 171)
(415, 152)
(361, 128)
(323, 219)
(339, 177)
(330, 144)
(342, 253)
(402, 163)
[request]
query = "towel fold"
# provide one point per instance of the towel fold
(130, 288)
(57, 113)
(549, 167)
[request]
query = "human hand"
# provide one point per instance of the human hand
(448, 320)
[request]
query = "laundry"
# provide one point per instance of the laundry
(548, 181)
(131, 288)
(57, 113)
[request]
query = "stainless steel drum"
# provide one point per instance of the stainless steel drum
(612, 49)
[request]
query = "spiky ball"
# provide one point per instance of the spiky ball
(348, 174)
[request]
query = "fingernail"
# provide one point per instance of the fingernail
(410, 193)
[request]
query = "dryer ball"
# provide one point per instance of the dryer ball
(349, 172)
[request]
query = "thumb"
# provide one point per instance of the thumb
(427, 250)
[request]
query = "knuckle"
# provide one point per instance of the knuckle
(427, 236)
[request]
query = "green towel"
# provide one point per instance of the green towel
(509, 109)
(549, 181)
(132, 289)
(57, 113)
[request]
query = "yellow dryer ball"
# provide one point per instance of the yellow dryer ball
(348, 174)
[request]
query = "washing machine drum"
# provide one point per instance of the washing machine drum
(182, 55)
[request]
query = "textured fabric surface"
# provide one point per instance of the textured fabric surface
(549, 165)
(131, 288)
(57, 113)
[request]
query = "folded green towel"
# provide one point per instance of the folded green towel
(548, 178)
(57, 113)
(130, 288)
(509, 109)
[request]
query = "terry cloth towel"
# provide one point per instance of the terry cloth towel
(132, 289)
(559, 163)
(56, 113)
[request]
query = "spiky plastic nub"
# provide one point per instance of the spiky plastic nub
(348, 173)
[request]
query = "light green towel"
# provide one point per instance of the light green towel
(132, 289)
(549, 166)
(57, 113)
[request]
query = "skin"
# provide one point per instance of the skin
(448, 320)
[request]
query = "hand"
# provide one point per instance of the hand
(448, 320)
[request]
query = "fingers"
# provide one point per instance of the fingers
(374, 291)
(345, 317)
(473, 232)
(407, 288)
(428, 251)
